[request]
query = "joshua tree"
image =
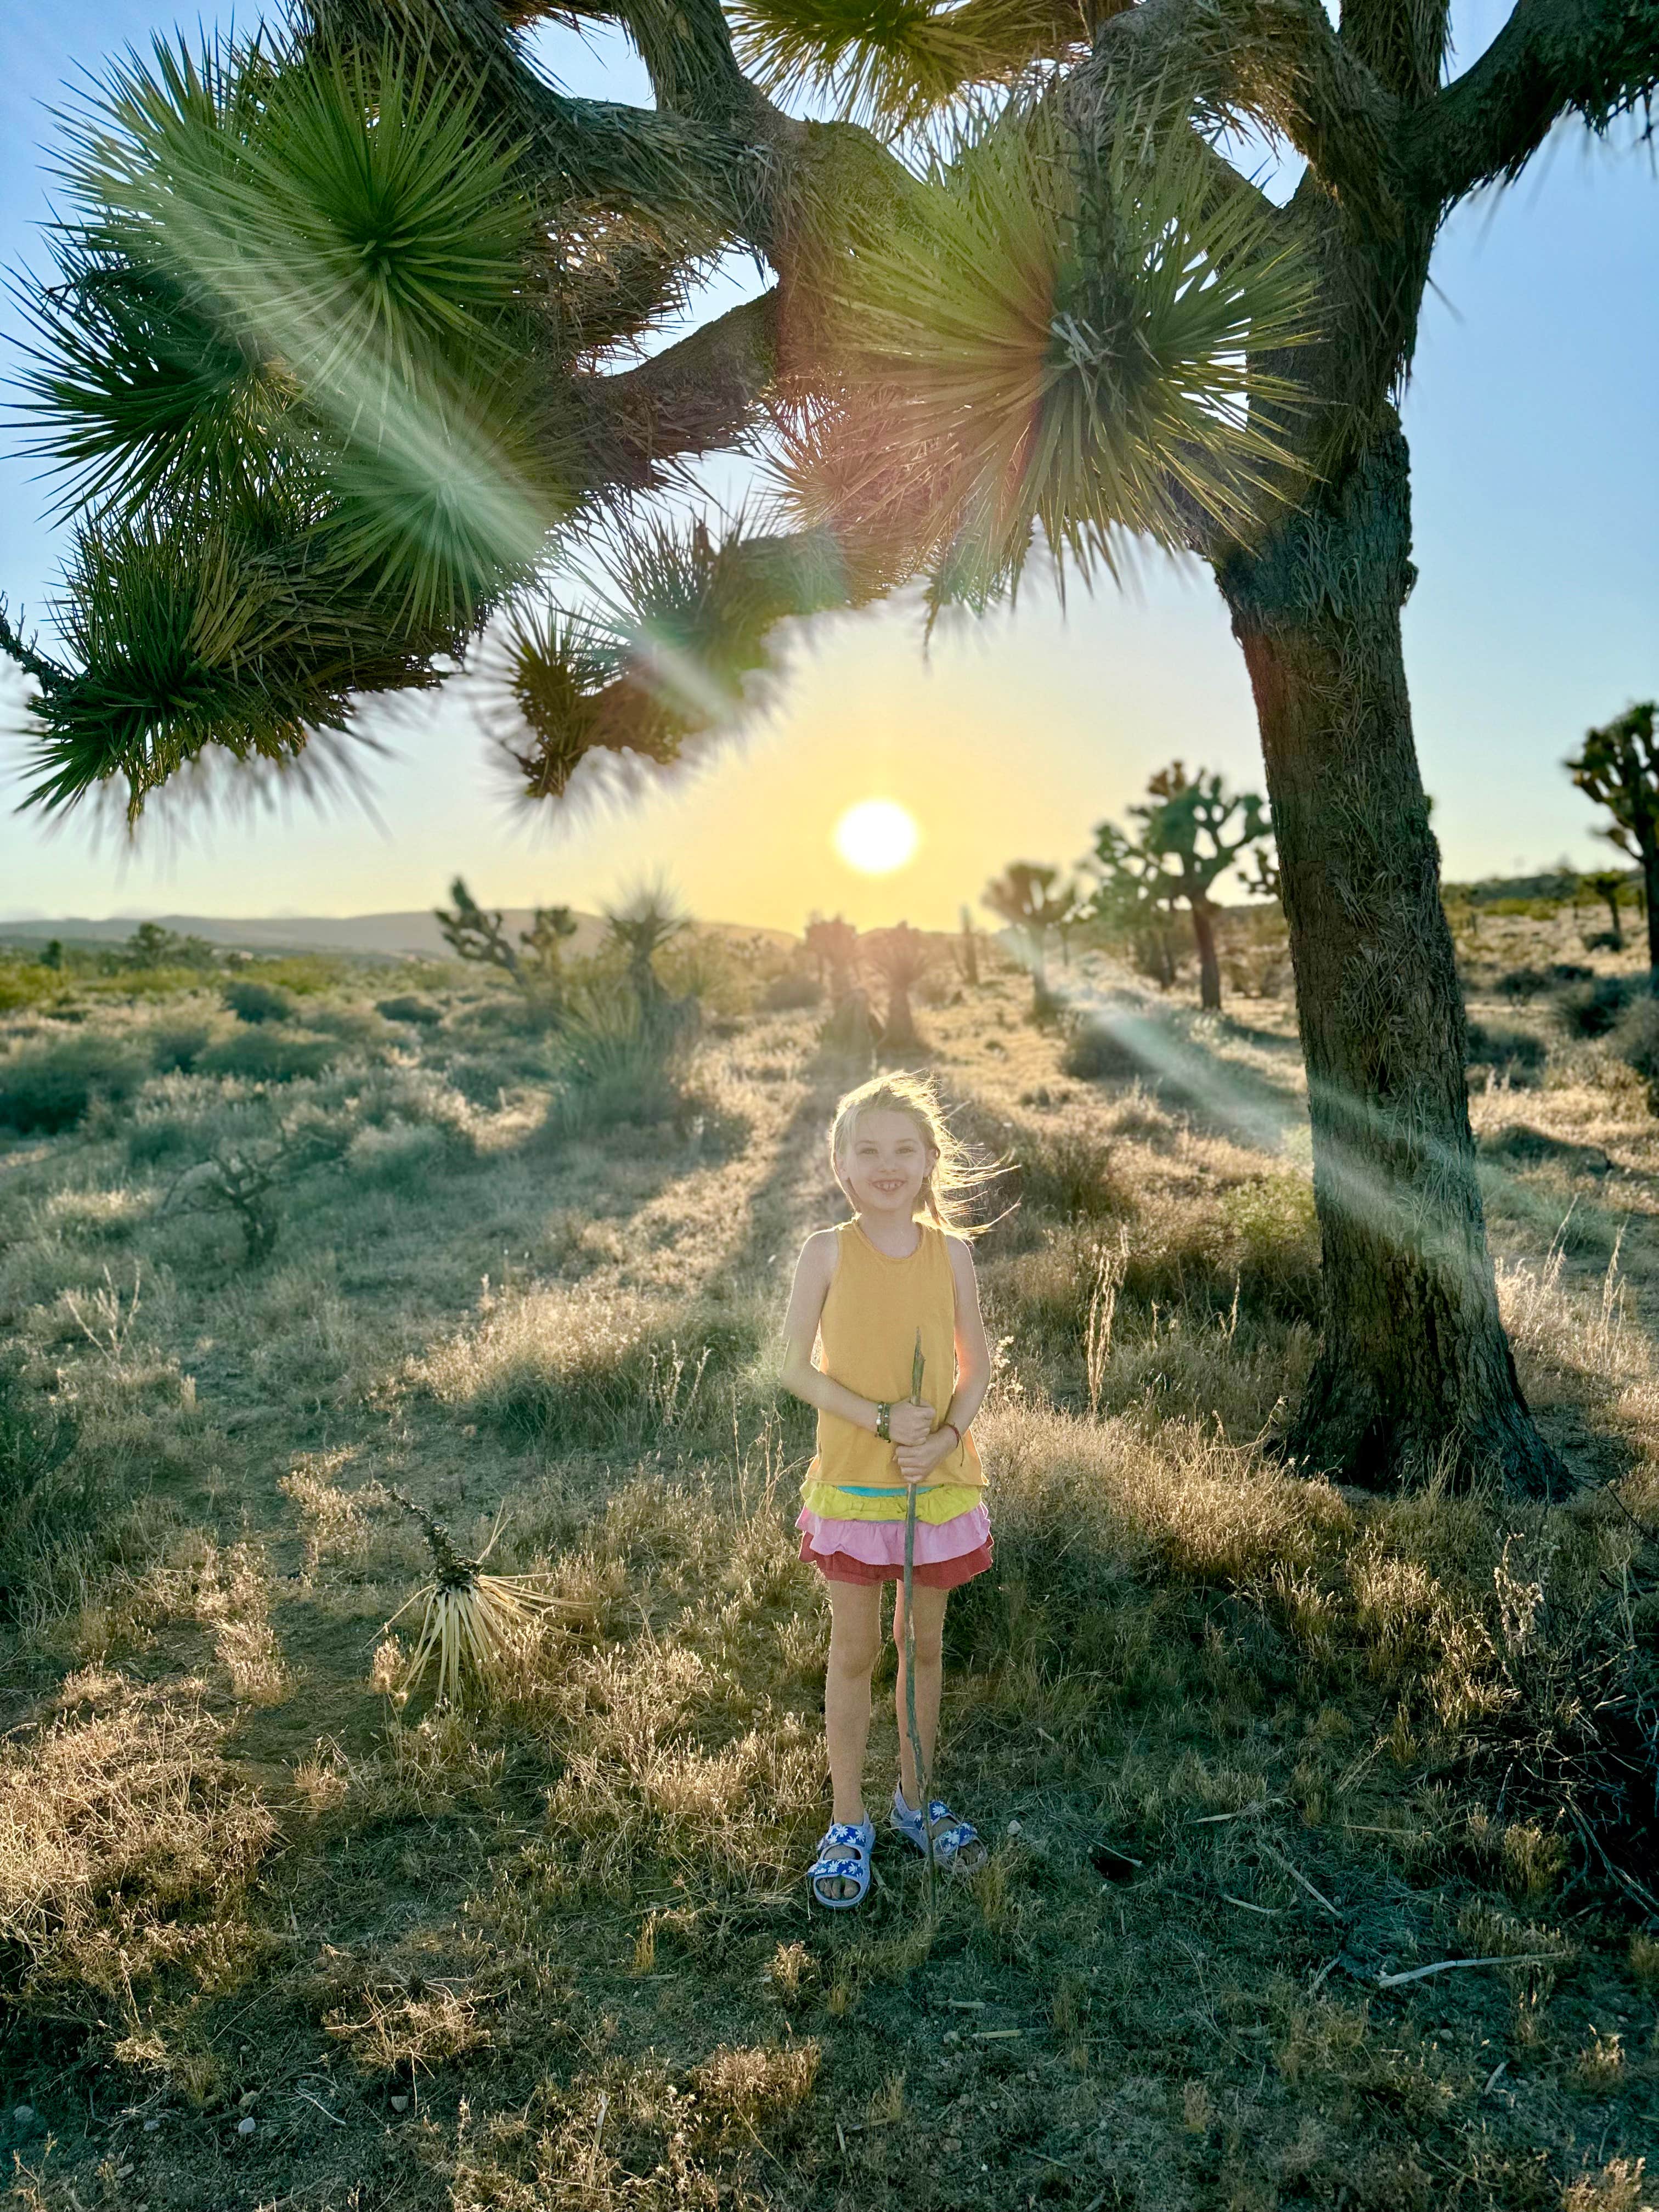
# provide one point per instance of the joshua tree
(968, 955)
(322, 365)
(834, 946)
(1033, 901)
(1606, 885)
(648, 920)
(1131, 903)
(536, 965)
(901, 957)
(1618, 768)
(1182, 847)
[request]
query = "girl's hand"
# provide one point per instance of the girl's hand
(917, 1462)
(910, 1424)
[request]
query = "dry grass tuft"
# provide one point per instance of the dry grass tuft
(127, 1844)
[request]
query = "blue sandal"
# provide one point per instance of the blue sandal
(853, 1847)
(957, 1848)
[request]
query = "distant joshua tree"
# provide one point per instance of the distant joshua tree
(833, 947)
(647, 920)
(967, 957)
(1618, 767)
(536, 964)
(1034, 902)
(901, 957)
(1182, 847)
(1606, 885)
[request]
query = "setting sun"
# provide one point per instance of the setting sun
(876, 836)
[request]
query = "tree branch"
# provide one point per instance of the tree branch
(694, 396)
(1278, 62)
(1595, 59)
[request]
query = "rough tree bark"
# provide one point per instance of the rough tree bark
(1414, 1377)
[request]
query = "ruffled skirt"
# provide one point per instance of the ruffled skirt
(948, 1553)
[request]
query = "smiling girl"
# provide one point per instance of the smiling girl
(863, 1291)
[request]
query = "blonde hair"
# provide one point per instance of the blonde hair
(955, 1178)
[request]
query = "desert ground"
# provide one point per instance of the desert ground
(1252, 1750)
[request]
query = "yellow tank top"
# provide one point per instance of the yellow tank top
(868, 1333)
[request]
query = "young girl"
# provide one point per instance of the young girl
(864, 1288)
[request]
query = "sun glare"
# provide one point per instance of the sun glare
(876, 836)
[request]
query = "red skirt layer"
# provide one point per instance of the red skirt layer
(930, 1574)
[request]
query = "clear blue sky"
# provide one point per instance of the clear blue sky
(1535, 441)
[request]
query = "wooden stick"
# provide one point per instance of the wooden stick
(1450, 1966)
(924, 1780)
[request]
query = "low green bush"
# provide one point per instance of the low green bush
(261, 1054)
(423, 1013)
(176, 1045)
(1516, 1054)
(1590, 1010)
(399, 1155)
(47, 1085)
(258, 1002)
(1096, 1053)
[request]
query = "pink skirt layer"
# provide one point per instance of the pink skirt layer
(948, 1553)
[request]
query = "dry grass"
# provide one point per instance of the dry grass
(1242, 1744)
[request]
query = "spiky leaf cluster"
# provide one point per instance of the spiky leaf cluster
(671, 648)
(892, 62)
(278, 381)
(1066, 336)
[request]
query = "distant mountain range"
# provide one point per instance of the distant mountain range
(385, 936)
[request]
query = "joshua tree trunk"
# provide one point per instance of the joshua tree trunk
(1414, 1373)
(1651, 901)
(1209, 968)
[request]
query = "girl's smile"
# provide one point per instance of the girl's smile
(886, 1163)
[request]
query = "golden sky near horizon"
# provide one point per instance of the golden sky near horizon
(1006, 740)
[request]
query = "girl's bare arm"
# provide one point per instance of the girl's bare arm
(973, 1353)
(813, 1271)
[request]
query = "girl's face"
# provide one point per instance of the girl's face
(885, 1163)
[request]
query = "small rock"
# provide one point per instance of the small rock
(1013, 1827)
(400, 2104)
(22, 2114)
(152, 2127)
(246, 2125)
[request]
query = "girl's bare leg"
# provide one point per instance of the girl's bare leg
(930, 1670)
(854, 1645)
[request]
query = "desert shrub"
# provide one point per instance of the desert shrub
(48, 1084)
(1523, 983)
(398, 1155)
(177, 1045)
(159, 1138)
(1516, 1053)
(1069, 1174)
(621, 1064)
(268, 1054)
(1095, 1052)
(1591, 1009)
(361, 1028)
(251, 1001)
(794, 988)
(423, 1013)
(1635, 1036)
